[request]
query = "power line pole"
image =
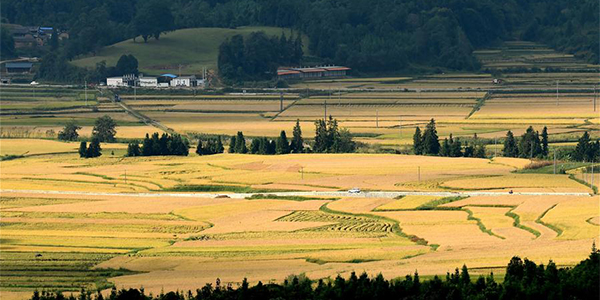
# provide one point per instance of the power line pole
(419, 173)
(280, 101)
(495, 147)
(377, 118)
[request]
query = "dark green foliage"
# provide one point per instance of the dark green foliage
(7, 44)
(529, 144)
(257, 56)
(153, 17)
(133, 149)
(431, 143)
(523, 280)
(82, 149)
(418, 142)
(297, 144)
(104, 129)
(166, 144)
(69, 133)
(510, 146)
(94, 149)
(232, 143)
(127, 64)
(329, 138)
(545, 141)
(210, 146)
(240, 143)
(282, 146)
(451, 147)
(586, 149)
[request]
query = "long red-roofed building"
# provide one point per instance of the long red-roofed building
(311, 72)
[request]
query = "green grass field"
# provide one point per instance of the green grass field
(193, 49)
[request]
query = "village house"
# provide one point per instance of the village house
(18, 67)
(184, 81)
(115, 82)
(145, 81)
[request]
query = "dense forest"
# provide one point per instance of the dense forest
(524, 279)
(369, 36)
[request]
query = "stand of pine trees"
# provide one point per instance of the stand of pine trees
(428, 144)
(91, 151)
(586, 149)
(524, 279)
(329, 138)
(210, 146)
(530, 145)
(156, 145)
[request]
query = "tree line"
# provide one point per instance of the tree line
(166, 144)
(257, 56)
(532, 144)
(524, 279)
(427, 143)
(380, 36)
(103, 131)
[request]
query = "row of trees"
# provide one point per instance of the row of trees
(91, 151)
(427, 143)
(210, 146)
(166, 144)
(530, 145)
(103, 130)
(524, 279)
(257, 56)
(453, 148)
(330, 138)
(586, 149)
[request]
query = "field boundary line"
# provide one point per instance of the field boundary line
(548, 225)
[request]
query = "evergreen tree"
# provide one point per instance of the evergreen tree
(333, 135)
(418, 142)
(94, 149)
(219, 147)
(320, 145)
(104, 129)
(82, 149)
(445, 150)
(510, 146)
(545, 141)
(263, 146)
(155, 144)
(469, 150)
(255, 146)
(282, 146)
(133, 149)
(271, 147)
(479, 151)
(240, 143)
(147, 146)
(344, 143)
(455, 147)
(199, 149)
(232, 144)
(431, 143)
(582, 150)
(529, 144)
(69, 133)
(297, 144)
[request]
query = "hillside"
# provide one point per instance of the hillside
(193, 48)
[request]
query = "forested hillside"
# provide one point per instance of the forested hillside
(383, 35)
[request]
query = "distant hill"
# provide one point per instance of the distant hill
(193, 48)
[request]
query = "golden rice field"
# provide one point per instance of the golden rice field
(62, 241)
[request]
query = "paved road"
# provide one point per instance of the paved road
(370, 194)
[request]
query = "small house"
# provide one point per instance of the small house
(115, 82)
(148, 81)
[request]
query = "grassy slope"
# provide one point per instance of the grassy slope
(193, 48)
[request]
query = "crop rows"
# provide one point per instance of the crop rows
(345, 223)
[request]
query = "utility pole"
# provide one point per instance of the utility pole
(377, 118)
(280, 101)
(419, 173)
(495, 147)
(180, 70)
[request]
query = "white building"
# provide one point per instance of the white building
(115, 82)
(148, 81)
(184, 81)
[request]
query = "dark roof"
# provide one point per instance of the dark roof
(19, 65)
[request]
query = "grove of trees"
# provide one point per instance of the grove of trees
(428, 144)
(330, 138)
(210, 146)
(257, 56)
(69, 132)
(524, 279)
(91, 151)
(156, 145)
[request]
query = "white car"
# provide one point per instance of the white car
(354, 191)
(34, 83)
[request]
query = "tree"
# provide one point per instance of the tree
(297, 144)
(232, 144)
(127, 64)
(133, 149)
(320, 145)
(240, 143)
(418, 142)
(445, 149)
(344, 144)
(147, 146)
(7, 43)
(282, 146)
(510, 148)
(94, 149)
(529, 144)
(455, 147)
(584, 151)
(82, 149)
(153, 18)
(431, 143)
(69, 132)
(545, 141)
(104, 129)
(54, 40)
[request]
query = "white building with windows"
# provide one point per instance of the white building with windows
(115, 82)
(148, 81)
(184, 81)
